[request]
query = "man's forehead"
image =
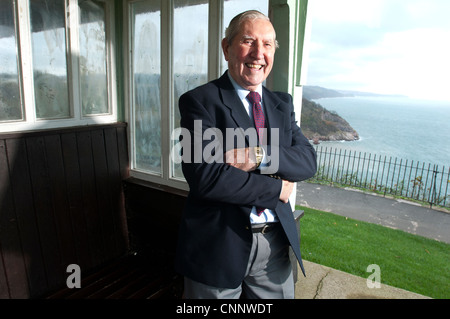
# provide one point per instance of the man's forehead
(260, 23)
(250, 29)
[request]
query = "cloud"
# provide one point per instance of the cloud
(392, 47)
(345, 35)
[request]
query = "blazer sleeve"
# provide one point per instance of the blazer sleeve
(216, 181)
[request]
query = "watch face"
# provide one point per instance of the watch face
(258, 155)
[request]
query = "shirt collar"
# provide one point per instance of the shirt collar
(241, 91)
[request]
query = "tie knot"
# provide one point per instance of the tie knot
(254, 97)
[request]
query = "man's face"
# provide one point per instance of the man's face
(251, 53)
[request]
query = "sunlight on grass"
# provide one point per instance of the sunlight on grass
(406, 261)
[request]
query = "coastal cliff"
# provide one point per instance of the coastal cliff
(319, 124)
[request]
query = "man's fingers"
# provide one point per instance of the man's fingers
(239, 158)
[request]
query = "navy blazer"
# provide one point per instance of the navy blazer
(215, 234)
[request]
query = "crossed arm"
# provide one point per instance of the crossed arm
(245, 160)
(233, 180)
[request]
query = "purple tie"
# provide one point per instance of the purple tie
(258, 114)
(258, 117)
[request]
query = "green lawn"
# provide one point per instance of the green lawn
(406, 261)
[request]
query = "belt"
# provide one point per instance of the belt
(264, 228)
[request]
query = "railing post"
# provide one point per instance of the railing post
(432, 197)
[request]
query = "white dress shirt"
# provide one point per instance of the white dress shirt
(268, 215)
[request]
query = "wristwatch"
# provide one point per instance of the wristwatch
(259, 155)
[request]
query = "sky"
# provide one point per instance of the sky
(381, 46)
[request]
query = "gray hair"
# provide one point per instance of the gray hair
(235, 24)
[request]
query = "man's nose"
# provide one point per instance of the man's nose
(258, 50)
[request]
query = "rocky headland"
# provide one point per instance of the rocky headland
(319, 124)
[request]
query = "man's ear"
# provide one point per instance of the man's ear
(225, 46)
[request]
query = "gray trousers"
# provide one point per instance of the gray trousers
(268, 276)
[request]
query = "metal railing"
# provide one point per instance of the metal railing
(417, 181)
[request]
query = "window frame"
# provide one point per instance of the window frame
(30, 121)
(215, 13)
(215, 69)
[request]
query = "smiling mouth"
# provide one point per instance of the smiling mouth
(254, 66)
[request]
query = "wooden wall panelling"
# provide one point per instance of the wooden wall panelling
(83, 239)
(22, 194)
(103, 193)
(88, 193)
(61, 202)
(124, 165)
(123, 152)
(45, 216)
(12, 264)
(115, 189)
(59, 193)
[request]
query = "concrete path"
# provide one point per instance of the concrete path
(326, 283)
(323, 282)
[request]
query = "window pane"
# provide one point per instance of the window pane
(49, 58)
(190, 53)
(10, 102)
(146, 64)
(93, 80)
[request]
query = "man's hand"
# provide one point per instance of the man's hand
(242, 158)
(245, 159)
(286, 190)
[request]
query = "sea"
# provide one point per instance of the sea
(397, 127)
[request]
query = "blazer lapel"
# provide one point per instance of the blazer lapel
(231, 100)
(274, 116)
(237, 112)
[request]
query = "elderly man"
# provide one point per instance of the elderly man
(238, 224)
